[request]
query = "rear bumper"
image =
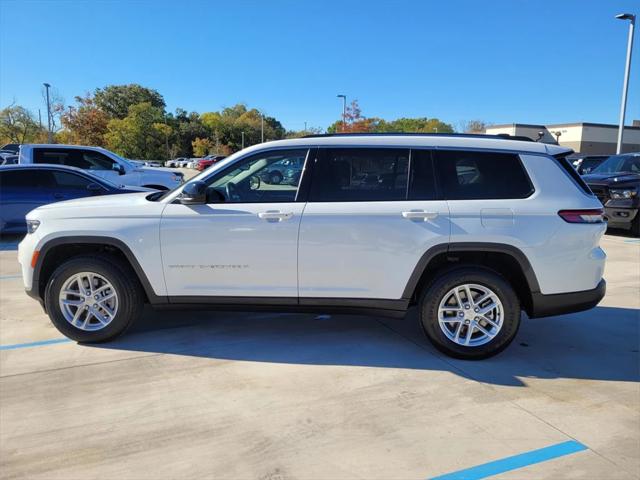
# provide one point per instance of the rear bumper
(561, 303)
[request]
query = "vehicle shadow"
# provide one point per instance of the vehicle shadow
(619, 232)
(601, 344)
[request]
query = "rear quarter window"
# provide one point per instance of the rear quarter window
(470, 175)
(566, 165)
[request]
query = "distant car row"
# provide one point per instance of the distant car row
(196, 163)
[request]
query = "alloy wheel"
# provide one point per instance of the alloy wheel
(470, 315)
(88, 301)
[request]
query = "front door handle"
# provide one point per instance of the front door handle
(419, 215)
(275, 216)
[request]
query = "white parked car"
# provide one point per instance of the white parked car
(103, 163)
(470, 229)
(174, 162)
(192, 162)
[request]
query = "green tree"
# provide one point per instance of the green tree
(186, 128)
(142, 134)
(115, 100)
(85, 124)
(17, 125)
(415, 125)
(228, 125)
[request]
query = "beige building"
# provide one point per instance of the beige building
(589, 138)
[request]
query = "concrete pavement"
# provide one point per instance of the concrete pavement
(283, 396)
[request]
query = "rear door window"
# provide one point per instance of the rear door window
(470, 175)
(70, 181)
(360, 175)
(26, 180)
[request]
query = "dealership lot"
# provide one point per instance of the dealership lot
(280, 396)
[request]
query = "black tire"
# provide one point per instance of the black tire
(123, 280)
(434, 293)
(275, 178)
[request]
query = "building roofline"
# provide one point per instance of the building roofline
(590, 124)
(526, 125)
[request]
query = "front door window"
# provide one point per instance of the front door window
(267, 177)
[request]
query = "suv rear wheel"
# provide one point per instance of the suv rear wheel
(470, 313)
(93, 299)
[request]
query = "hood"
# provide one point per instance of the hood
(612, 179)
(102, 201)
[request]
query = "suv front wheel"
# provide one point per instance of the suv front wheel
(470, 313)
(93, 298)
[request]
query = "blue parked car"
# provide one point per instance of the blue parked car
(25, 187)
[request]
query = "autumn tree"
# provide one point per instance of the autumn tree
(202, 146)
(115, 100)
(356, 122)
(142, 134)
(85, 124)
(474, 126)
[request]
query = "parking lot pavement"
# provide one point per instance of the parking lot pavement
(282, 396)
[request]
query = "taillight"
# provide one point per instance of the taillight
(595, 215)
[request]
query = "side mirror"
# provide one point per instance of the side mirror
(118, 168)
(194, 193)
(254, 182)
(95, 188)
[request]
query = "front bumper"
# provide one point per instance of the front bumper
(561, 303)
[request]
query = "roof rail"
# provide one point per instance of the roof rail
(503, 136)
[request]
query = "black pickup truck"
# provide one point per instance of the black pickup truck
(616, 183)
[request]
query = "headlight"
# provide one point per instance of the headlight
(32, 225)
(623, 193)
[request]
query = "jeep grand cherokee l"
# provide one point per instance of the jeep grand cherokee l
(471, 230)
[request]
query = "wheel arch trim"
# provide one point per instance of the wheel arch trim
(46, 247)
(454, 247)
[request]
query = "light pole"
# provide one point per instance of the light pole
(627, 70)
(242, 140)
(50, 134)
(262, 127)
(344, 111)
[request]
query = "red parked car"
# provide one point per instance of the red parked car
(207, 161)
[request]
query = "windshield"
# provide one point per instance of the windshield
(619, 164)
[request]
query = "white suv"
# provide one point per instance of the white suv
(103, 163)
(470, 229)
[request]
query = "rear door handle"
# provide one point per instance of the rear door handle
(277, 216)
(419, 215)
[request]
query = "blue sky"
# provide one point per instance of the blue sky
(503, 61)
